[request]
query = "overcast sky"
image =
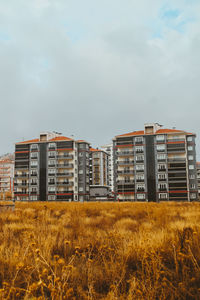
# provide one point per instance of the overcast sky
(95, 69)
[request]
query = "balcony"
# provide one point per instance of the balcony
(141, 190)
(52, 156)
(52, 183)
(21, 184)
(67, 166)
(34, 157)
(139, 161)
(177, 160)
(65, 156)
(124, 162)
(65, 174)
(126, 172)
(34, 174)
(162, 189)
(51, 174)
(33, 183)
(124, 182)
(162, 169)
(33, 192)
(125, 153)
(21, 175)
(59, 183)
(51, 165)
(140, 180)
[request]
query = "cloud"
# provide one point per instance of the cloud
(97, 69)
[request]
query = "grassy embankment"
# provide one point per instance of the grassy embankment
(100, 251)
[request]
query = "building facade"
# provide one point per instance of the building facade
(109, 149)
(52, 168)
(6, 175)
(99, 176)
(198, 178)
(155, 164)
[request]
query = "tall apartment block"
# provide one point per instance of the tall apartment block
(6, 174)
(99, 179)
(109, 149)
(198, 178)
(52, 167)
(155, 164)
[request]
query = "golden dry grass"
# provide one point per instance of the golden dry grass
(100, 251)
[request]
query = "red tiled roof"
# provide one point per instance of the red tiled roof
(29, 141)
(160, 131)
(93, 150)
(60, 138)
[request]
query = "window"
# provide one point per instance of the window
(190, 148)
(52, 171)
(191, 167)
(162, 167)
(80, 189)
(140, 177)
(163, 196)
(51, 162)
(34, 147)
(34, 155)
(34, 163)
(139, 139)
(161, 176)
(162, 186)
(160, 148)
(34, 190)
(51, 197)
(140, 196)
(160, 137)
(139, 149)
(51, 181)
(51, 154)
(80, 154)
(190, 157)
(161, 156)
(140, 187)
(139, 157)
(192, 176)
(192, 196)
(139, 167)
(80, 172)
(189, 138)
(33, 198)
(52, 145)
(192, 185)
(51, 189)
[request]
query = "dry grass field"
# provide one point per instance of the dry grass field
(100, 251)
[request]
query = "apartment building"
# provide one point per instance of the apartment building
(109, 149)
(99, 177)
(6, 174)
(155, 164)
(52, 168)
(198, 178)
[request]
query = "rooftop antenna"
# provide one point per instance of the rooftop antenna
(56, 132)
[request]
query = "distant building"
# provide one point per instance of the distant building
(198, 178)
(155, 164)
(53, 168)
(99, 177)
(6, 173)
(109, 149)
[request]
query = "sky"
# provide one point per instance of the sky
(96, 69)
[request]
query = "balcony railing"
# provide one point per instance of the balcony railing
(65, 165)
(65, 183)
(65, 156)
(125, 162)
(21, 175)
(176, 160)
(125, 153)
(65, 174)
(122, 182)
(33, 183)
(126, 172)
